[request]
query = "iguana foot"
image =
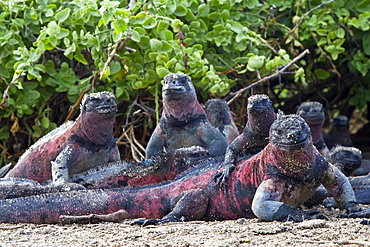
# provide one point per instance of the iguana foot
(147, 222)
(306, 215)
(365, 213)
(220, 178)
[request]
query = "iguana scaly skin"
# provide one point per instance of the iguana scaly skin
(339, 133)
(346, 159)
(219, 115)
(254, 137)
(270, 185)
(313, 114)
(184, 122)
(75, 146)
(162, 167)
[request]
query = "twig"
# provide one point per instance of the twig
(6, 92)
(304, 16)
(279, 72)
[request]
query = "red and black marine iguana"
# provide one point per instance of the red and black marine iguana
(75, 146)
(313, 114)
(184, 122)
(220, 116)
(270, 185)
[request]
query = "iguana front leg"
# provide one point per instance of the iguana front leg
(267, 206)
(59, 168)
(191, 205)
(230, 157)
(340, 188)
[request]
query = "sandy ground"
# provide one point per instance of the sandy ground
(241, 232)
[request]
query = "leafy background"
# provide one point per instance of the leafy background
(52, 52)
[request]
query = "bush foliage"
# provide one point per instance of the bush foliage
(55, 47)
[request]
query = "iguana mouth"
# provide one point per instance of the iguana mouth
(174, 89)
(296, 145)
(104, 109)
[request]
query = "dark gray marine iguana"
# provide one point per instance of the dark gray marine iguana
(75, 146)
(270, 185)
(220, 116)
(339, 133)
(184, 122)
(313, 114)
(254, 137)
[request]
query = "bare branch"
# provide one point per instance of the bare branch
(6, 92)
(278, 73)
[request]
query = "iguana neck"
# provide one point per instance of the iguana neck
(182, 110)
(95, 127)
(262, 121)
(292, 163)
(316, 132)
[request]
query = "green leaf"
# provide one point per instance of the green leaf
(321, 74)
(62, 15)
(363, 6)
(119, 25)
(162, 72)
(155, 44)
(45, 122)
(203, 10)
(180, 10)
(366, 43)
(149, 23)
(81, 58)
(256, 62)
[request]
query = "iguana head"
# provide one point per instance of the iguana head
(341, 122)
(218, 112)
(98, 112)
(176, 86)
(290, 132)
(103, 103)
(347, 159)
(179, 97)
(312, 112)
(260, 111)
(259, 103)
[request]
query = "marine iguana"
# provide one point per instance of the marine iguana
(270, 185)
(339, 133)
(313, 114)
(254, 137)
(184, 122)
(346, 159)
(162, 167)
(219, 115)
(75, 146)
